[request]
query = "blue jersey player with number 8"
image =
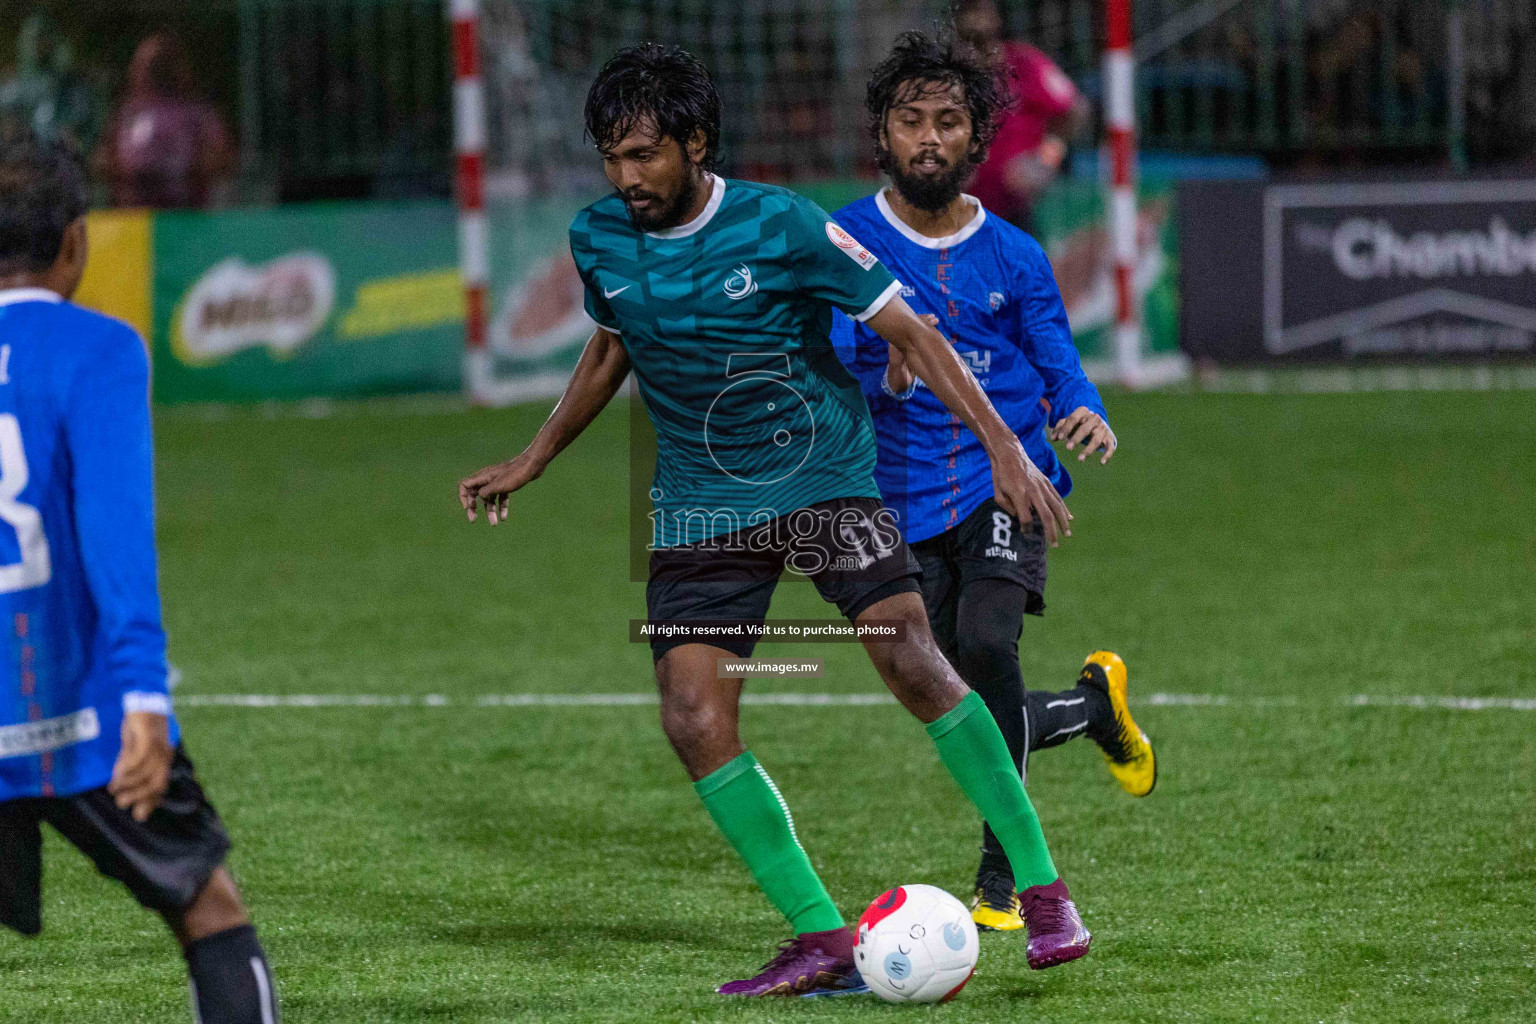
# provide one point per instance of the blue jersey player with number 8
(989, 289)
(88, 741)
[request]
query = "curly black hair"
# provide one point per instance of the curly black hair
(666, 85)
(920, 64)
(42, 192)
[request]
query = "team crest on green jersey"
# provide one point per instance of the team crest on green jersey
(740, 284)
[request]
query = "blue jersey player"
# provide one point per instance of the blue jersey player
(988, 287)
(88, 741)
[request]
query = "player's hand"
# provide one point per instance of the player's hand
(1025, 492)
(143, 769)
(1087, 428)
(493, 484)
(1027, 176)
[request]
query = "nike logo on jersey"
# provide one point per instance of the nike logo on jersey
(740, 284)
(617, 291)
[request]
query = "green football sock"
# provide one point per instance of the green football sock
(972, 748)
(755, 819)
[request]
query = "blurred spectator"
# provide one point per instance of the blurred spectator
(1032, 142)
(1358, 62)
(165, 147)
(45, 95)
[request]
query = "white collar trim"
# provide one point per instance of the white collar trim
(693, 227)
(917, 238)
(11, 296)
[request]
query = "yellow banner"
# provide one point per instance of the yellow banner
(405, 303)
(119, 272)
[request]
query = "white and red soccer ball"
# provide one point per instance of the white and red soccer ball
(916, 944)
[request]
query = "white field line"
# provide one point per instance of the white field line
(1359, 700)
(612, 700)
(318, 408)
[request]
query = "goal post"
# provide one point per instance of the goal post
(469, 143)
(1120, 137)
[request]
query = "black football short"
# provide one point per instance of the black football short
(849, 548)
(164, 862)
(988, 544)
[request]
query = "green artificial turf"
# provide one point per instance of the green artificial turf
(1301, 860)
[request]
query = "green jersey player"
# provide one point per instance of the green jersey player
(719, 295)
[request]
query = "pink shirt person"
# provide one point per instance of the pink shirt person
(165, 148)
(1044, 95)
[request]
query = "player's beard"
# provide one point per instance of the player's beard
(667, 215)
(929, 191)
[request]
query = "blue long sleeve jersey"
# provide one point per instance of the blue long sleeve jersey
(82, 638)
(992, 289)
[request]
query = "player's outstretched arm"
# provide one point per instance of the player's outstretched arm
(1019, 486)
(107, 430)
(598, 376)
(1046, 340)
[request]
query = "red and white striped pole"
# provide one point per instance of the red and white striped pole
(469, 151)
(1120, 122)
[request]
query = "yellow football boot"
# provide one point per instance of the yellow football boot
(1127, 751)
(995, 907)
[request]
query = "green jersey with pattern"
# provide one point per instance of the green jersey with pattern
(726, 320)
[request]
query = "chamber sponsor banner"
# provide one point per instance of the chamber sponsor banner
(1401, 269)
(330, 300)
(1355, 271)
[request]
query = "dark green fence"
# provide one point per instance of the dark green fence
(1325, 80)
(345, 97)
(352, 97)
(356, 93)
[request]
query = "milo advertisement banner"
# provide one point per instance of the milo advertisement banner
(1071, 225)
(355, 299)
(333, 300)
(538, 317)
